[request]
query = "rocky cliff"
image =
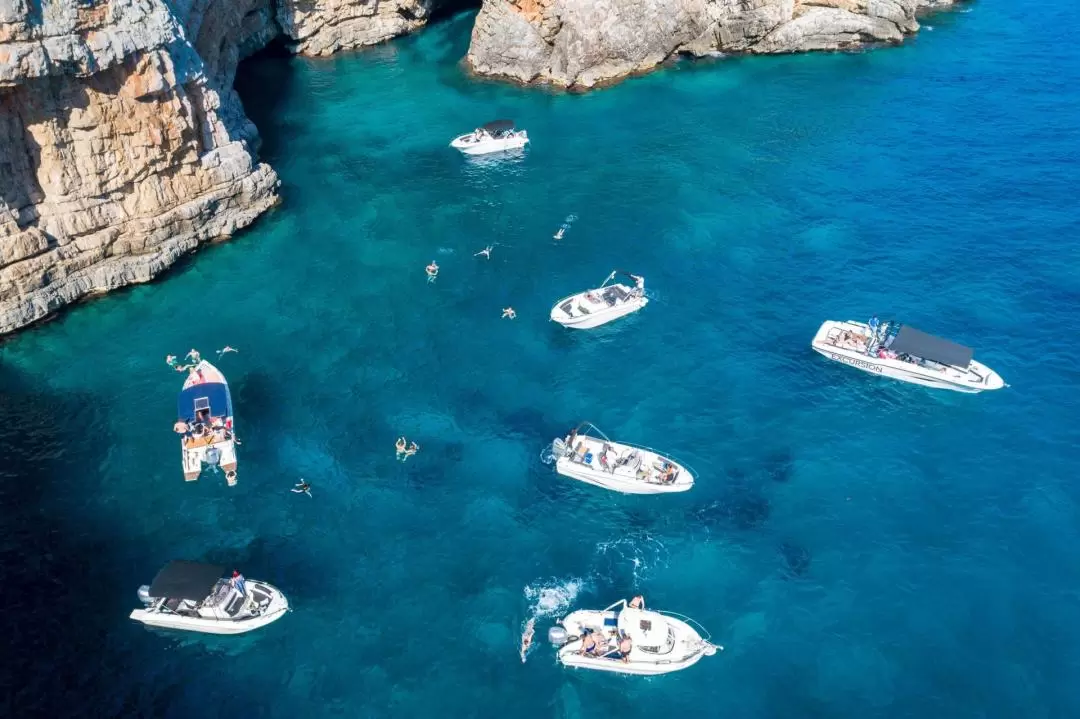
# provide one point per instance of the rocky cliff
(122, 143)
(579, 43)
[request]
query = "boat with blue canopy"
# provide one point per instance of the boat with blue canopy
(205, 423)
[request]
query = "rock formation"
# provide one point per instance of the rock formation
(122, 143)
(579, 43)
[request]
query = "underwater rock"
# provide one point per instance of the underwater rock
(796, 558)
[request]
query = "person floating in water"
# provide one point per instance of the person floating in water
(559, 235)
(194, 356)
(486, 252)
(508, 313)
(230, 478)
(226, 349)
(302, 487)
(432, 271)
(527, 637)
(413, 449)
(399, 446)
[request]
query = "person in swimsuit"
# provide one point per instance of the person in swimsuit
(226, 349)
(527, 637)
(508, 313)
(413, 449)
(432, 271)
(400, 447)
(588, 644)
(625, 645)
(638, 602)
(302, 487)
(486, 252)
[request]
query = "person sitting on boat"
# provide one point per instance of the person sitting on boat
(625, 647)
(569, 441)
(638, 602)
(667, 474)
(589, 644)
(639, 286)
(181, 427)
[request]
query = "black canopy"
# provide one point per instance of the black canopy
(498, 125)
(181, 579)
(914, 342)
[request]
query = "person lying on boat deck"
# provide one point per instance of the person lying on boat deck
(638, 602)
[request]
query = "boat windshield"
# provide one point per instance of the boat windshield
(664, 647)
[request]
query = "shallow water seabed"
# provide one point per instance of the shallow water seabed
(861, 548)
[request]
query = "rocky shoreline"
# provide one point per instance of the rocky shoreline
(123, 145)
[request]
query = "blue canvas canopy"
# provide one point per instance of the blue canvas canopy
(213, 395)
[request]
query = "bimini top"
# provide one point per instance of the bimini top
(497, 125)
(212, 395)
(181, 579)
(915, 342)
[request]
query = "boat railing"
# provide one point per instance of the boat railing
(692, 622)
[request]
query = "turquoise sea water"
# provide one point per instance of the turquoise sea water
(862, 548)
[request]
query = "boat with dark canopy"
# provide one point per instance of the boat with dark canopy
(602, 304)
(495, 136)
(197, 597)
(902, 352)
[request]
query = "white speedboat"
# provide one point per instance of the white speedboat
(660, 642)
(587, 455)
(599, 306)
(197, 597)
(902, 352)
(205, 423)
(495, 136)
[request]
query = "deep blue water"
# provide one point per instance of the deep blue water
(862, 548)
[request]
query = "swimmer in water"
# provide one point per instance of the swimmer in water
(486, 252)
(302, 487)
(226, 349)
(432, 271)
(193, 355)
(508, 313)
(413, 449)
(399, 446)
(527, 637)
(559, 235)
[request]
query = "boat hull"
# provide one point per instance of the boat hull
(948, 378)
(216, 446)
(687, 649)
(488, 147)
(597, 314)
(276, 609)
(631, 478)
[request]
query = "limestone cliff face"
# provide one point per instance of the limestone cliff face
(583, 42)
(122, 143)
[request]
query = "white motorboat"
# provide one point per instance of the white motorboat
(599, 306)
(902, 352)
(586, 454)
(196, 597)
(660, 642)
(495, 136)
(205, 423)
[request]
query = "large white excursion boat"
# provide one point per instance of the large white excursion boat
(197, 597)
(205, 423)
(586, 454)
(905, 353)
(659, 642)
(599, 306)
(495, 136)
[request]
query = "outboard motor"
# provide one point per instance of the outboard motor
(144, 594)
(557, 636)
(213, 456)
(558, 448)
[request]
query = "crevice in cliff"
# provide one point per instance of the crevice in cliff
(445, 9)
